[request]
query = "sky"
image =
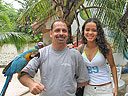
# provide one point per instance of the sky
(15, 4)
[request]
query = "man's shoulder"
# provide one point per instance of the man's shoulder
(74, 51)
(45, 48)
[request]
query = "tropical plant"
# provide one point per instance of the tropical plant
(108, 12)
(8, 27)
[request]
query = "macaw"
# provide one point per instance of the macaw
(16, 65)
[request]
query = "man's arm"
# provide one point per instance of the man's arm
(82, 84)
(34, 87)
(82, 72)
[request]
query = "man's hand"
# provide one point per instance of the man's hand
(37, 88)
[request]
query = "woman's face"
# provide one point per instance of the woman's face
(90, 31)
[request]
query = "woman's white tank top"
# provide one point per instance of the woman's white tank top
(97, 69)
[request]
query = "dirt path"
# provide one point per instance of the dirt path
(125, 78)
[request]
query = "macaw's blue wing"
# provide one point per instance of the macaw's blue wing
(14, 67)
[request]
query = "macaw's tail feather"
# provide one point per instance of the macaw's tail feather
(6, 85)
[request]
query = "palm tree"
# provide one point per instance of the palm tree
(109, 12)
(16, 38)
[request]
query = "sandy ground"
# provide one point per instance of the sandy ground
(15, 88)
(124, 77)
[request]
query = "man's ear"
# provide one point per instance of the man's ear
(50, 33)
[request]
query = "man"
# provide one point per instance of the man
(40, 45)
(62, 69)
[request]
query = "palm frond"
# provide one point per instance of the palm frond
(18, 39)
(5, 19)
(41, 9)
(107, 11)
(120, 41)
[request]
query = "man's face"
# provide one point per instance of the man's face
(59, 34)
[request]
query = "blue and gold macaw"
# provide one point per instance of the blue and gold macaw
(16, 65)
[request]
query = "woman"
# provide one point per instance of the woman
(96, 52)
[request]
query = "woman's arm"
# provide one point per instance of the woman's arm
(113, 70)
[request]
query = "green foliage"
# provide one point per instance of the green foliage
(37, 37)
(8, 16)
(107, 11)
(83, 14)
(18, 39)
(38, 8)
(120, 41)
(10, 30)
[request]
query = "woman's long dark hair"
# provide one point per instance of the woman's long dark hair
(100, 40)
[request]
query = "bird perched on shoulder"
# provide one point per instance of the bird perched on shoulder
(16, 65)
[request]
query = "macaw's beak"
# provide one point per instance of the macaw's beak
(34, 54)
